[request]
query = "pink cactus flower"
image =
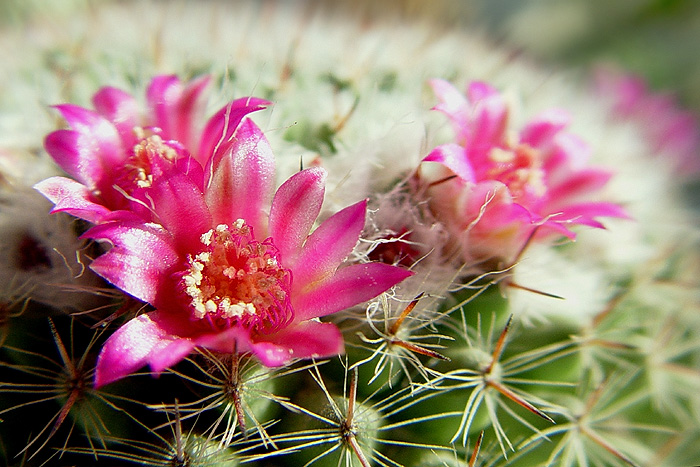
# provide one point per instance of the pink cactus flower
(671, 131)
(115, 154)
(224, 274)
(494, 189)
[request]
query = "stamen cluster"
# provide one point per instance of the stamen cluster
(236, 279)
(149, 150)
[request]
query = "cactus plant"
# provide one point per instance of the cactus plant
(326, 271)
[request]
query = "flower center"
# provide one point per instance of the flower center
(520, 169)
(150, 150)
(31, 254)
(237, 280)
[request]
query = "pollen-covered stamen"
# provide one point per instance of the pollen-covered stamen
(519, 168)
(236, 279)
(149, 149)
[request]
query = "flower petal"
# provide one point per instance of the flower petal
(302, 340)
(175, 107)
(541, 131)
(92, 152)
(181, 209)
(242, 179)
(452, 103)
(171, 351)
(121, 109)
(133, 345)
(72, 197)
(348, 287)
(579, 183)
(217, 133)
(585, 213)
(489, 116)
(328, 246)
(309, 339)
(294, 210)
(140, 260)
(454, 158)
(162, 94)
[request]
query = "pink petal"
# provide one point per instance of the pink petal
(492, 204)
(181, 209)
(294, 210)
(540, 132)
(185, 112)
(175, 107)
(309, 339)
(194, 171)
(121, 109)
(140, 260)
(170, 353)
(63, 147)
(479, 90)
(454, 157)
(133, 345)
(452, 103)
(302, 340)
(568, 153)
(72, 197)
(348, 287)
(162, 94)
(217, 133)
(579, 183)
(489, 118)
(328, 246)
(98, 145)
(242, 179)
(585, 213)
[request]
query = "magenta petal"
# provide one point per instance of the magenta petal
(131, 347)
(169, 353)
(186, 110)
(163, 91)
(99, 145)
(585, 213)
(121, 109)
(309, 339)
(328, 246)
(452, 103)
(242, 180)
(194, 171)
(139, 261)
(62, 146)
(579, 183)
(175, 107)
(220, 127)
(489, 121)
(569, 153)
(71, 197)
(453, 157)
(181, 209)
(232, 340)
(294, 210)
(348, 287)
(541, 131)
(479, 90)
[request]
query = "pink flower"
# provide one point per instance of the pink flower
(115, 154)
(223, 274)
(495, 187)
(669, 130)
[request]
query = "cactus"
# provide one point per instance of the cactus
(266, 249)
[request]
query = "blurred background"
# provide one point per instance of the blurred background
(657, 39)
